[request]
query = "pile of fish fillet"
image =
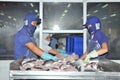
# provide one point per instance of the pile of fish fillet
(63, 64)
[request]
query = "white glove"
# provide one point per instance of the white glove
(92, 54)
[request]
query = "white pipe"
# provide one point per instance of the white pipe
(84, 31)
(41, 25)
(63, 31)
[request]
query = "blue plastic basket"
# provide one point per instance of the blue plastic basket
(69, 44)
(74, 44)
(78, 45)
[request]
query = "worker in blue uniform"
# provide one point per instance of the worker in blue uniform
(24, 43)
(97, 42)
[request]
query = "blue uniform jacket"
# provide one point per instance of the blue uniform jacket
(99, 38)
(24, 36)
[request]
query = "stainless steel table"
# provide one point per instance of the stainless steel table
(50, 75)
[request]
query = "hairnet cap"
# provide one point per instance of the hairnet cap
(32, 17)
(92, 20)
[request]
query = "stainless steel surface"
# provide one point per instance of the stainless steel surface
(109, 65)
(64, 75)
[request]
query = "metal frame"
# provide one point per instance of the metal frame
(62, 0)
(64, 75)
(84, 31)
(69, 31)
(43, 0)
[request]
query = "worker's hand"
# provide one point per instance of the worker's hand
(63, 53)
(87, 59)
(92, 54)
(48, 56)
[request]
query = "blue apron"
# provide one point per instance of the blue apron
(94, 45)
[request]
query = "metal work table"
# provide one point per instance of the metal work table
(45, 75)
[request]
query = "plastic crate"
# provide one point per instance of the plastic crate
(78, 45)
(74, 44)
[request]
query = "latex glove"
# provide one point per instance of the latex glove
(48, 56)
(92, 54)
(63, 53)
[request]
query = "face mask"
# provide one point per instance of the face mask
(38, 21)
(30, 28)
(91, 30)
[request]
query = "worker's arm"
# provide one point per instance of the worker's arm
(92, 54)
(58, 52)
(83, 56)
(34, 48)
(54, 51)
(103, 50)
